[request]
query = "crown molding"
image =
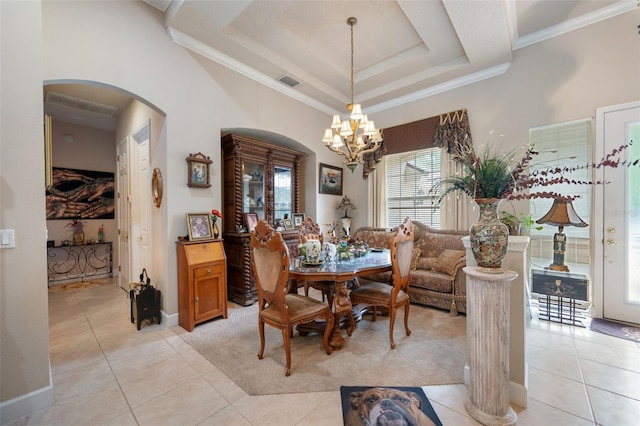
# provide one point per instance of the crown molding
(571, 24)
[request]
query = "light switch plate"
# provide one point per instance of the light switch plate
(7, 238)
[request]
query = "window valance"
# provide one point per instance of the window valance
(450, 130)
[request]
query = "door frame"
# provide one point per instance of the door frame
(597, 228)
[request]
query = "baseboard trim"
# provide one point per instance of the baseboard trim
(27, 404)
(169, 320)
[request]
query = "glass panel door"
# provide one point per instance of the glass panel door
(253, 188)
(282, 193)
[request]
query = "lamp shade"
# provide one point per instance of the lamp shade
(562, 213)
(345, 204)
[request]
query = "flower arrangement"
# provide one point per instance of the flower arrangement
(77, 226)
(215, 214)
(508, 176)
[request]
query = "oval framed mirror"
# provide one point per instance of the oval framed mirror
(156, 187)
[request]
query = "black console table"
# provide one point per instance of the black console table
(79, 261)
(559, 292)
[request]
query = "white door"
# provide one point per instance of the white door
(140, 202)
(621, 217)
(123, 207)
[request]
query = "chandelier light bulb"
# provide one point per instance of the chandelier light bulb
(356, 112)
(346, 129)
(328, 136)
(337, 122)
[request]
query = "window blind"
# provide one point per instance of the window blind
(410, 178)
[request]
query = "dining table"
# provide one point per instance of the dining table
(341, 273)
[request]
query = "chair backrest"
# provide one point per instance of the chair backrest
(309, 230)
(401, 255)
(270, 263)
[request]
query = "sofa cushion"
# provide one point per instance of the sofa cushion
(431, 280)
(426, 262)
(447, 261)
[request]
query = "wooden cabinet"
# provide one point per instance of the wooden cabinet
(240, 284)
(202, 282)
(259, 178)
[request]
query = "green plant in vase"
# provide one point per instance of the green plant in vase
(493, 176)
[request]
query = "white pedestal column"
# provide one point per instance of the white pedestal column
(488, 302)
(516, 261)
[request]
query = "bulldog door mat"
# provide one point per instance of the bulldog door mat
(365, 405)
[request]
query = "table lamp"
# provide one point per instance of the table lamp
(345, 204)
(561, 214)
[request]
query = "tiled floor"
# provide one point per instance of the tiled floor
(105, 372)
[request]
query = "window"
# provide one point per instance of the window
(410, 180)
(561, 145)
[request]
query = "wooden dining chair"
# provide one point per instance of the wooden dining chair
(394, 296)
(277, 307)
(310, 230)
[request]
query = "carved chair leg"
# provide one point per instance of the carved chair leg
(261, 331)
(406, 319)
(392, 321)
(286, 337)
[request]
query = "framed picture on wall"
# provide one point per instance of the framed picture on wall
(198, 170)
(250, 220)
(199, 226)
(330, 180)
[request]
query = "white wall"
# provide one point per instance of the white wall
(24, 331)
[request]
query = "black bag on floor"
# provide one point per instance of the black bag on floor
(145, 300)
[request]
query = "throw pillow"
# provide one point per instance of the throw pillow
(415, 255)
(426, 262)
(448, 259)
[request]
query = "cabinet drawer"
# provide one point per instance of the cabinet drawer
(205, 271)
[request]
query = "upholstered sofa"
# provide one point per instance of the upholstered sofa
(437, 278)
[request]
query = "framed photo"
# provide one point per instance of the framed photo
(198, 170)
(330, 180)
(288, 224)
(250, 220)
(199, 226)
(298, 218)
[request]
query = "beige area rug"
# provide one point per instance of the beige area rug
(75, 286)
(434, 354)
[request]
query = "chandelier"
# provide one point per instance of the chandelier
(356, 135)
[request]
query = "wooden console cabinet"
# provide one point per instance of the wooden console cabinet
(259, 178)
(241, 283)
(202, 282)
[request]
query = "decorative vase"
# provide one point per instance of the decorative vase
(313, 248)
(78, 238)
(489, 237)
(346, 225)
(216, 231)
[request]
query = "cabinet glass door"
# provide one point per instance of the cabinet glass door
(253, 188)
(282, 193)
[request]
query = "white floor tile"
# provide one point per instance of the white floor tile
(102, 366)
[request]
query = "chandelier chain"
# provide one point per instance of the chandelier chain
(352, 22)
